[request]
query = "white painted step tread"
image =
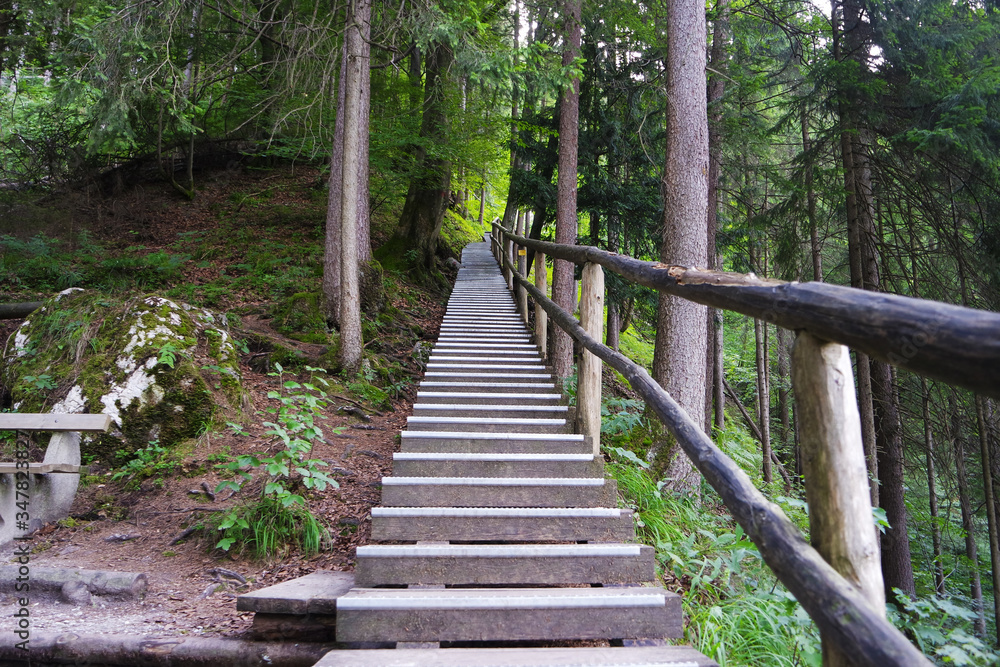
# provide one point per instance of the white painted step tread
(434, 358)
(525, 421)
(600, 550)
(499, 367)
(492, 481)
(499, 408)
(599, 656)
(456, 374)
(501, 598)
(526, 385)
(503, 512)
(479, 456)
(485, 396)
(476, 435)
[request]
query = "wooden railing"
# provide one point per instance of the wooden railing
(839, 582)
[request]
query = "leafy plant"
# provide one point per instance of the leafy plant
(280, 515)
(167, 355)
(942, 629)
(39, 384)
(148, 462)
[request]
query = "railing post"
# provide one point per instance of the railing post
(840, 512)
(509, 263)
(541, 317)
(522, 294)
(588, 386)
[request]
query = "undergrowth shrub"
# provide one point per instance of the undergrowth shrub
(279, 516)
(737, 612)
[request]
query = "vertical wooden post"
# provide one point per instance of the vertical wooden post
(588, 386)
(522, 267)
(833, 454)
(508, 253)
(541, 317)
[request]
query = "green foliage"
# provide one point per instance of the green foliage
(251, 524)
(44, 265)
(153, 461)
(266, 527)
(942, 629)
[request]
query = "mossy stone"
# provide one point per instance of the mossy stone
(161, 369)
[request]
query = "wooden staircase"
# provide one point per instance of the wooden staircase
(498, 525)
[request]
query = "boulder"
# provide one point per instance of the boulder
(161, 369)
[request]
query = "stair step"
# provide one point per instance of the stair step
(505, 614)
(488, 424)
(470, 441)
(493, 358)
(598, 656)
(490, 410)
(499, 387)
(532, 524)
(504, 564)
(461, 464)
(463, 353)
(527, 347)
(507, 376)
(498, 492)
(487, 342)
(495, 398)
(513, 366)
(315, 593)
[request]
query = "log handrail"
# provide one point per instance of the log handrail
(958, 345)
(842, 611)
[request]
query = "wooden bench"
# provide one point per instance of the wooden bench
(52, 482)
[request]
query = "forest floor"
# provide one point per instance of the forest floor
(126, 527)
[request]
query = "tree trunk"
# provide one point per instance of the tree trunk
(679, 355)
(862, 365)
(716, 89)
(563, 291)
(991, 511)
(968, 524)
(783, 389)
(763, 398)
(932, 491)
(354, 128)
(427, 197)
(814, 247)
(331, 254)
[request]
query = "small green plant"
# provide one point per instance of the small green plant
(280, 514)
(39, 384)
(152, 461)
(168, 354)
(942, 629)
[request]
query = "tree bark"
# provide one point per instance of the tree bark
(991, 511)
(763, 399)
(932, 491)
(968, 521)
(427, 197)
(566, 224)
(331, 254)
(681, 336)
(350, 294)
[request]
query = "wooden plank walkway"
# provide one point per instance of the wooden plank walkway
(498, 524)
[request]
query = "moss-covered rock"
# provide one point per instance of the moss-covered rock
(161, 369)
(300, 315)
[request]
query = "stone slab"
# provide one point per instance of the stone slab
(410, 524)
(511, 565)
(659, 656)
(504, 614)
(431, 464)
(495, 492)
(315, 593)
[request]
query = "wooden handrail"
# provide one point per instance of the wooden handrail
(958, 345)
(841, 610)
